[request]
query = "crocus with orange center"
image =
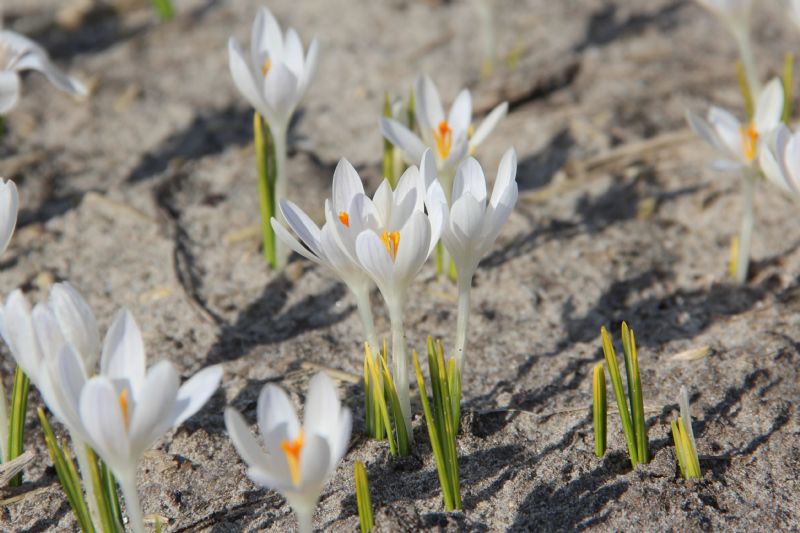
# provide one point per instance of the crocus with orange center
(443, 136)
(295, 460)
(749, 142)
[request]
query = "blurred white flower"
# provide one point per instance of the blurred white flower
(738, 143)
(295, 460)
(9, 206)
(276, 75)
(473, 224)
(18, 53)
(450, 137)
(779, 158)
(794, 11)
(126, 408)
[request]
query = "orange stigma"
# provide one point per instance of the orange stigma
(123, 405)
(344, 218)
(292, 450)
(265, 66)
(391, 241)
(443, 136)
(749, 142)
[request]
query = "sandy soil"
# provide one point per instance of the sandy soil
(144, 197)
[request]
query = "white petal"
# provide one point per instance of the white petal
(48, 332)
(9, 91)
(71, 375)
(277, 419)
(9, 206)
(400, 136)
(412, 251)
(280, 92)
(375, 259)
(152, 415)
(195, 393)
(470, 179)
(266, 36)
(769, 107)
(123, 355)
(791, 161)
(427, 168)
(243, 440)
(302, 225)
(728, 130)
(244, 79)
(315, 463)
(506, 175)
(322, 407)
(772, 159)
(268, 479)
(460, 116)
(488, 125)
(40, 61)
(102, 419)
(293, 52)
(309, 68)
(18, 332)
(77, 322)
(289, 240)
(341, 438)
(346, 184)
(383, 200)
(428, 104)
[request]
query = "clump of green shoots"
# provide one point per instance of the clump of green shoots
(683, 435)
(631, 408)
(442, 418)
(363, 499)
(381, 397)
(164, 9)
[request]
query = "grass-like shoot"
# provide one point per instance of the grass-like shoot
(16, 427)
(164, 9)
(363, 498)
(631, 414)
(600, 409)
(442, 418)
(685, 445)
(381, 398)
(267, 175)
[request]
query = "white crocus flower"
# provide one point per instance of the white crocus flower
(779, 157)
(393, 249)
(18, 53)
(473, 224)
(294, 460)
(273, 80)
(9, 206)
(739, 143)
(323, 246)
(126, 408)
(736, 14)
(450, 137)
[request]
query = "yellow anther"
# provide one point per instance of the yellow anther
(749, 142)
(265, 66)
(391, 241)
(123, 405)
(292, 450)
(344, 218)
(443, 136)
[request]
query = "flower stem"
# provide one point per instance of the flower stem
(81, 452)
(132, 504)
(748, 220)
(462, 320)
(365, 314)
(279, 138)
(266, 186)
(400, 362)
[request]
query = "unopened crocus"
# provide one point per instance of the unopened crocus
(739, 145)
(472, 226)
(126, 408)
(323, 245)
(392, 248)
(735, 15)
(292, 459)
(18, 53)
(780, 159)
(450, 137)
(273, 79)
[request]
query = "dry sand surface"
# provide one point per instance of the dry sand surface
(144, 197)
